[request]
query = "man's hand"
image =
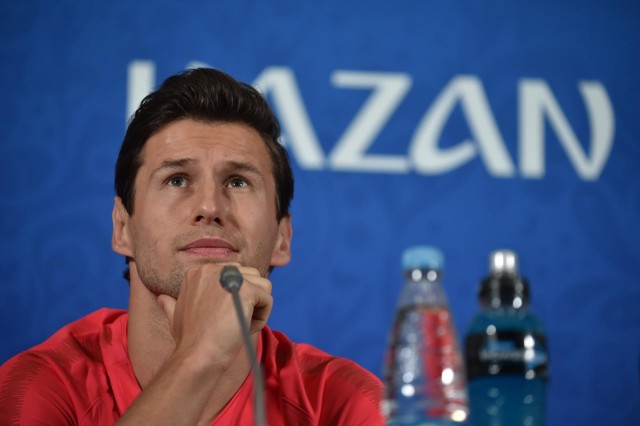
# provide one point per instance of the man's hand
(203, 319)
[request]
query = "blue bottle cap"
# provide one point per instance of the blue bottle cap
(422, 257)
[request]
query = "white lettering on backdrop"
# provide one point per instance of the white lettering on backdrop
(537, 106)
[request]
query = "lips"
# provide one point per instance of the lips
(209, 247)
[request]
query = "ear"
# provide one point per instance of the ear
(281, 254)
(120, 238)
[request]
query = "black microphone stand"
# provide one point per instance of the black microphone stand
(231, 280)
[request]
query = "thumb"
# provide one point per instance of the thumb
(168, 305)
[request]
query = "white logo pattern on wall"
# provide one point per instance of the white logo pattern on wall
(536, 106)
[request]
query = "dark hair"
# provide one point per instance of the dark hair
(208, 95)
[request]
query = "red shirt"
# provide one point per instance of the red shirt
(82, 375)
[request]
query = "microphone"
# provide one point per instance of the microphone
(231, 280)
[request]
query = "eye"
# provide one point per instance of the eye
(177, 180)
(238, 182)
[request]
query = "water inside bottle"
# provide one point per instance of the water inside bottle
(424, 367)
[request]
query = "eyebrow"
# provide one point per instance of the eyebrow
(234, 166)
(238, 166)
(174, 164)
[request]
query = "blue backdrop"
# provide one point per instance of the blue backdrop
(469, 125)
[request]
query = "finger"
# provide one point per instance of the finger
(248, 270)
(253, 276)
(245, 271)
(261, 282)
(261, 311)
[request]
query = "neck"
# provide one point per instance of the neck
(148, 334)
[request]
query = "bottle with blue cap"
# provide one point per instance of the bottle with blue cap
(506, 350)
(424, 377)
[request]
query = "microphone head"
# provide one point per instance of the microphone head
(230, 278)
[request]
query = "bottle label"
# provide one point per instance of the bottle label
(507, 353)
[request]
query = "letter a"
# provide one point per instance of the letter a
(428, 158)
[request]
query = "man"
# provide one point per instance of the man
(201, 182)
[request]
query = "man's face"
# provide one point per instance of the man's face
(204, 193)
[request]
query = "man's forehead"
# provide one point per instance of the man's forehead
(188, 143)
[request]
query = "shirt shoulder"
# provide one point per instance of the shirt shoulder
(333, 390)
(62, 379)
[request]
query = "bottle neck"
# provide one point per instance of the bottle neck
(418, 275)
(423, 287)
(504, 291)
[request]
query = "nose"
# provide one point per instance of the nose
(212, 205)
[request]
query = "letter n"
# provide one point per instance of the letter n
(537, 103)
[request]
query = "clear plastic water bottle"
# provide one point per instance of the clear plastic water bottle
(424, 371)
(506, 351)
